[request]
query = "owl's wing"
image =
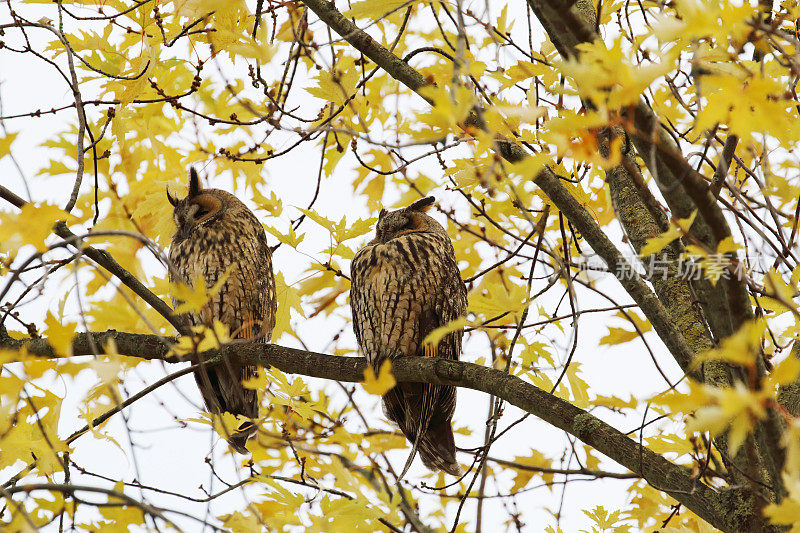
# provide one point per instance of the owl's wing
(269, 295)
(356, 289)
(433, 405)
(403, 290)
(370, 297)
(451, 301)
(246, 302)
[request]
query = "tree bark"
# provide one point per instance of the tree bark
(716, 507)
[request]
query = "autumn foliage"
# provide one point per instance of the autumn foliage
(620, 183)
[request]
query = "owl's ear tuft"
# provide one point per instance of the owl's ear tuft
(422, 205)
(194, 183)
(382, 214)
(172, 200)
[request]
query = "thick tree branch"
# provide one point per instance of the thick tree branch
(634, 204)
(682, 187)
(726, 305)
(663, 475)
(571, 21)
(547, 180)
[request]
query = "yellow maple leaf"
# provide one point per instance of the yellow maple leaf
(292, 238)
(242, 523)
(205, 339)
(373, 9)
(59, 335)
(523, 475)
(533, 352)
(622, 335)
(434, 337)
(226, 423)
(250, 48)
(5, 144)
(32, 225)
(194, 297)
(288, 299)
(120, 517)
(499, 301)
(786, 371)
(336, 86)
(258, 382)
(383, 382)
(445, 114)
(785, 513)
(148, 204)
(381, 442)
(740, 348)
(191, 298)
(731, 409)
(579, 388)
(677, 228)
(614, 402)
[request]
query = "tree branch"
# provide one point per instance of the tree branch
(682, 187)
(727, 305)
(547, 180)
(79, 108)
(104, 259)
(565, 471)
(721, 173)
(663, 475)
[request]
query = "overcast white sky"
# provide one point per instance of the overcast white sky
(172, 457)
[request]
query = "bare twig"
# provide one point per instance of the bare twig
(673, 479)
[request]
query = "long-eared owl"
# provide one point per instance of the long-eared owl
(218, 233)
(405, 284)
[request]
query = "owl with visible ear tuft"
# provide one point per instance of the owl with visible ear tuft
(216, 234)
(405, 284)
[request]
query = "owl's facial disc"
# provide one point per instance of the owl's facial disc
(198, 211)
(208, 207)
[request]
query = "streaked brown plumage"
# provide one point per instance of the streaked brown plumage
(406, 283)
(216, 230)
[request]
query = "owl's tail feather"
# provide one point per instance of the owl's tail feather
(409, 460)
(421, 411)
(437, 449)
